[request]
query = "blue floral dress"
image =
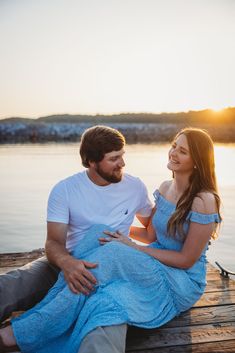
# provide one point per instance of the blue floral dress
(133, 288)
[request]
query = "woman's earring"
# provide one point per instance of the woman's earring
(195, 167)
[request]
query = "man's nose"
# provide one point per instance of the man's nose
(121, 163)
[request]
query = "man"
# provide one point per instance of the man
(101, 194)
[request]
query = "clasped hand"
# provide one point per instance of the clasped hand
(115, 236)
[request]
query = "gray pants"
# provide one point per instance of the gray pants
(22, 288)
(108, 339)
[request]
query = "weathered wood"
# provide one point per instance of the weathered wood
(7, 269)
(215, 347)
(215, 298)
(20, 259)
(213, 275)
(208, 327)
(180, 336)
(202, 316)
(211, 268)
(219, 285)
(11, 261)
(195, 319)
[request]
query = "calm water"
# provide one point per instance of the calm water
(28, 172)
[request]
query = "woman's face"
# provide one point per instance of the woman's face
(180, 160)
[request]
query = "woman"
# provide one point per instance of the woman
(165, 278)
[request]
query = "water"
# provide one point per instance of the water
(28, 172)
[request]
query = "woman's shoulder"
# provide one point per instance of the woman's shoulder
(204, 202)
(163, 188)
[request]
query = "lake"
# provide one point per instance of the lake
(28, 172)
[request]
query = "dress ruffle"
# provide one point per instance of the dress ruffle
(197, 217)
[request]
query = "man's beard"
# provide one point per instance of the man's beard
(110, 178)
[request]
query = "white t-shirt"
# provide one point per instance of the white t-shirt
(80, 203)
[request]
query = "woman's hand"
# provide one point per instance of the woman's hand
(115, 236)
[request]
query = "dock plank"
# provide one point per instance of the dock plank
(220, 285)
(200, 316)
(181, 336)
(215, 298)
(215, 347)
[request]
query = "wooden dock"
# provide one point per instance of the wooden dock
(208, 327)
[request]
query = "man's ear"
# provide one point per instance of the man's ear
(91, 164)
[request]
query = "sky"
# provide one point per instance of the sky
(114, 56)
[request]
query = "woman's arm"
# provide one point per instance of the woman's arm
(145, 235)
(140, 234)
(197, 238)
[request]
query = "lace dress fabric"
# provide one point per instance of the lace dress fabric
(132, 288)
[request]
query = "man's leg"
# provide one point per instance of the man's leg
(107, 339)
(22, 288)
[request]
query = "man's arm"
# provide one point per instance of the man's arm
(75, 271)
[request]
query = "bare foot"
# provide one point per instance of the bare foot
(7, 336)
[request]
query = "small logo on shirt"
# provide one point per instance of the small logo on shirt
(126, 212)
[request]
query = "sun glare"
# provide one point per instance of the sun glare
(217, 110)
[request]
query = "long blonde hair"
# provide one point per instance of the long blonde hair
(203, 178)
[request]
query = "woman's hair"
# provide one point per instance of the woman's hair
(97, 141)
(203, 177)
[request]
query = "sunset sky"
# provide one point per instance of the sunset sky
(112, 56)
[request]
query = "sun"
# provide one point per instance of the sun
(217, 110)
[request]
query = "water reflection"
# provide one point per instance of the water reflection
(27, 173)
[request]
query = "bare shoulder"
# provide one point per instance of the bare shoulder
(164, 186)
(204, 202)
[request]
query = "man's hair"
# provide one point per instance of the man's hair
(97, 141)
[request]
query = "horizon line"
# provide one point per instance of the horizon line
(120, 113)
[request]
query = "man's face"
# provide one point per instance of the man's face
(111, 166)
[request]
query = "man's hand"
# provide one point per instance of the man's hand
(78, 276)
(76, 272)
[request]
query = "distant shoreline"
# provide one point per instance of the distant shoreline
(137, 128)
